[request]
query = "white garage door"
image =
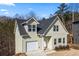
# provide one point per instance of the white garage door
(32, 46)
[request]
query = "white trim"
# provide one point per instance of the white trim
(30, 19)
(23, 23)
(63, 26)
(53, 22)
(15, 26)
(49, 26)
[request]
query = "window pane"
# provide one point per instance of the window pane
(29, 30)
(54, 28)
(59, 40)
(63, 40)
(33, 26)
(33, 30)
(29, 27)
(54, 41)
(57, 28)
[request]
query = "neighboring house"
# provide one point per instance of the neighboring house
(33, 35)
(75, 31)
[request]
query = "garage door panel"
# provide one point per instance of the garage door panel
(32, 46)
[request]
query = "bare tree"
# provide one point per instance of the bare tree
(19, 16)
(74, 8)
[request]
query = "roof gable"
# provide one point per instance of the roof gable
(63, 25)
(31, 20)
(57, 18)
(21, 28)
(44, 24)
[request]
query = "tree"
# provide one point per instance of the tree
(62, 9)
(18, 16)
(7, 36)
(43, 18)
(74, 8)
(31, 14)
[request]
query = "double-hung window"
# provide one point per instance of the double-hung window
(31, 28)
(59, 40)
(34, 28)
(63, 40)
(54, 41)
(55, 28)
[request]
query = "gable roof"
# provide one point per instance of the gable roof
(43, 26)
(59, 18)
(21, 28)
(63, 25)
(29, 20)
(47, 24)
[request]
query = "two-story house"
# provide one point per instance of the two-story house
(75, 31)
(31, 34)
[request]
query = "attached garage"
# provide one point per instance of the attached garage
(31, 46)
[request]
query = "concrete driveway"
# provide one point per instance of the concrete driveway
(36, 53)
(71, 52)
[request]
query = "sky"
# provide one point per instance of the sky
(40, 9)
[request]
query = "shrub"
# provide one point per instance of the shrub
(76, 47)
(67, 47)
(56, 48)
(62, 47)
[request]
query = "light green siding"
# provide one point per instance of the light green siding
(18, 41)
(57, 34)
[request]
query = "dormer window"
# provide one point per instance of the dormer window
(31, 28)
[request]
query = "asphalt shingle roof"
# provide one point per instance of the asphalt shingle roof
(21, 27)
(41, 27)
(44, 24)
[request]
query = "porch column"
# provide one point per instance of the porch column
(42, 43)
